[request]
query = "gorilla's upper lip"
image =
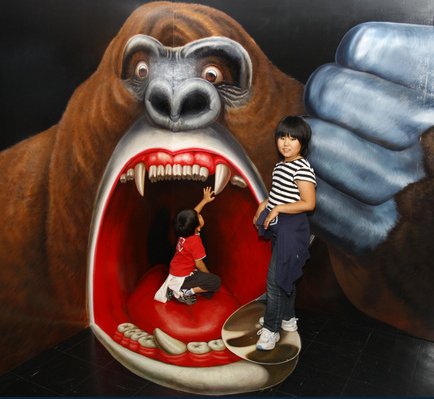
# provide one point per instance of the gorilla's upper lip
(142, 136)
(110, 289)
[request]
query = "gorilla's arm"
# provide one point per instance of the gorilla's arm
(369, 111)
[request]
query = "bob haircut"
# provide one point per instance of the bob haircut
(185, 223)
(297, 128)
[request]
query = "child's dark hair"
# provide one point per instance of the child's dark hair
(297, 128)
(185, 223)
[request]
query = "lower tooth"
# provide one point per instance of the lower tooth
(126, 326)
(137, 336)
(198, 347)
(169, 344)
(217, 345)
(147, 341)
(132, 331)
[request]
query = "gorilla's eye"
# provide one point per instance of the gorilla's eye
(142, 70)
(212, 74)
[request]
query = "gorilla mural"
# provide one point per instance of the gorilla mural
(128, 121)
(183, 95)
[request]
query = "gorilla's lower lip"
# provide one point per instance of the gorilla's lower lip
(125, 268)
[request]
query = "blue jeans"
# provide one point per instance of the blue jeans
(280, 304)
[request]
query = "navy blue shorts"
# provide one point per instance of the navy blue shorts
(207, 281)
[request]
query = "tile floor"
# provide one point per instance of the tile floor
(351, 356)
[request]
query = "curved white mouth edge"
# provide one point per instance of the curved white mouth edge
(238, 377)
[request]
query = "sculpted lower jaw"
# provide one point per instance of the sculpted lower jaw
(238, 377)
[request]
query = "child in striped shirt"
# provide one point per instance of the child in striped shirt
(283, 216)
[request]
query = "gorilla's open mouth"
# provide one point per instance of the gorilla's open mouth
(150, 176)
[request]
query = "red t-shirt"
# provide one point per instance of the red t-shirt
(187, 251)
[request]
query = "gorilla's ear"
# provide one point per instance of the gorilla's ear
(144, 44)
(228, 52)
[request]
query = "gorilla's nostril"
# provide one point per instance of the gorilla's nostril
(194, 105)
(160, 103)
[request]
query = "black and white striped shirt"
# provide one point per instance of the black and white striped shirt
(284, 190)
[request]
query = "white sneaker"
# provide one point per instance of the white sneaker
(290, 325)
(267, 339)
(287, 325)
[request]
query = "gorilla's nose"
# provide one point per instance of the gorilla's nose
(193, 104)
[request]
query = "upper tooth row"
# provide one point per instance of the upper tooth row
(170, 345)
(177, 171)
(171, 172)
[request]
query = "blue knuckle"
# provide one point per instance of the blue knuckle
(406, 53)
(361, 169)
(377, 110)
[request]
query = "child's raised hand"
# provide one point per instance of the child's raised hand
(208, 194)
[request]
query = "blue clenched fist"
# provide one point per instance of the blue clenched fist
(369, 110)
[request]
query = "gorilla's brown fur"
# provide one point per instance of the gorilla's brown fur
(49, 181)
(394, 283)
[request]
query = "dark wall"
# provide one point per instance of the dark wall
(48, 47)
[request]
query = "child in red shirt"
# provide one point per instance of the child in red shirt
(188, 274)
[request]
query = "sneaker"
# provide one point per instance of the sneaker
(287, 325)
(169, 294)
(267, 339)
(188, 299)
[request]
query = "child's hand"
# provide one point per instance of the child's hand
(208, 194)
(261, 207)
(271, 216)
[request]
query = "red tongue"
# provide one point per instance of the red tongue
(201, 321)
(134, 233)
